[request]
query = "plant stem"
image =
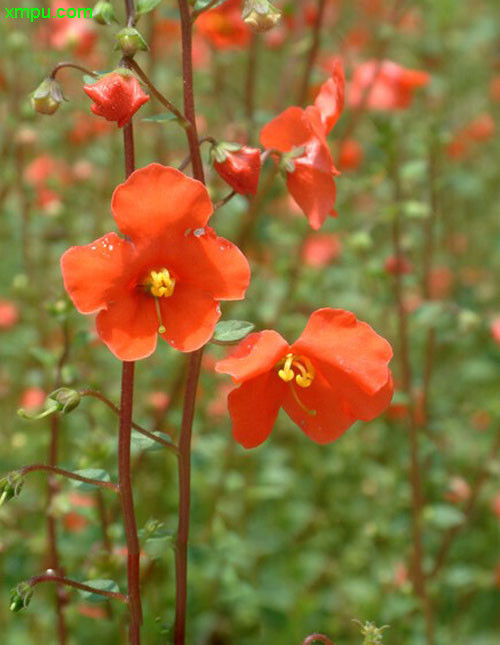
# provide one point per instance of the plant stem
(317, 637)
(195, 357)
(66, 64)
(250, 86)
(48, 577)
(70, 475)
(313, 52)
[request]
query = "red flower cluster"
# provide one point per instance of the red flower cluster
(300, 135)
(117, 96)
(166, 277)
(384, 85)
(335, 373)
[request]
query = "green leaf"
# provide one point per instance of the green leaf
(161, 118)
(443, 516)
(102, 585)
(200, 5)
(140, 442)
(230, 332)
(145, 6)
(92, 473)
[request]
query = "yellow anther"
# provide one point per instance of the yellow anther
(300, 363)
(160, 284)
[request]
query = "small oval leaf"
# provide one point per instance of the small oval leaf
(230, 332)
(92, 473)
(101, 585)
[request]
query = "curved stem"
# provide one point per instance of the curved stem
(47, 577)
(150, 435)
(225, 200)
(313, 52)
(156, 93)
(317, 637)
(65, 64)
(67, 473)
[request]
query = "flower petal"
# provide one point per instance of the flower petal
(290, 128)
(348, 351)
(212, 264)
(156, 200)
(254, 407)
(330, 99)
(256, 354)
(314, 191)
(189, 316)
(129, 327)
(322, 415)
(94, 274)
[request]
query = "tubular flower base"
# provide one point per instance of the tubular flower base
(166, 277)
(117, 96)
(301, 136)
(334, 374)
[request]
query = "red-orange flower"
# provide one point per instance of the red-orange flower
(117, 96)
(384, 85)
(223, 26)
(166, 276)
(301, 136)
(335, 373)
(238, 166)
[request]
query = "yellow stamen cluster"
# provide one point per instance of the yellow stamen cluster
(160, 284)
(303, 365)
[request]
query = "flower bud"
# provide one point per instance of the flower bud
(66, 399)
(104, 13)
(130, 41)
(238, 165)
(116, 96)
(260, 15)
(10, 486)
(47, 97)
(20, 597)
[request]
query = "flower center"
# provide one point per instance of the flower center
(160, 284)
(303, 365)
(299, 369)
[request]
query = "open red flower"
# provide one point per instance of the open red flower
(223, 26)
(335, 373)
(239, 166)
(166, 276)
(301, 136)
(385, 85)
(117, 96)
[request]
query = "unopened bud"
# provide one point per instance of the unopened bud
(10, 486)
(66, 398)
(260, 15)
(47, 97)
(130, 41)
(104, 13)
(20, 597)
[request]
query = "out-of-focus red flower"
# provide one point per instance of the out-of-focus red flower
(320, 249)
(301, 136)
(217, 407)
(495, 88)
(223, 26)
(441, 280)
(495, 505)
(481, 420)
(9, 314)
(44, 168)
(85, 128)
(239, 168)
(166, 276)
(384, 85)
(479, 130)
(350, 155)
(33, 398)
(166, 33)
(495, 330)
(117, 96)
(74, 522)
(82, 170)
(400, 575)
(48, 200)
(458, 490)
(91, 611)
(159, 400)
(76, 33)
(335, 373)
(395, 266)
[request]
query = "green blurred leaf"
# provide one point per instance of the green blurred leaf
(102, 585)
(92, 473)
(145, 6)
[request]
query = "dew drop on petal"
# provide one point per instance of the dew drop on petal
(198, 232)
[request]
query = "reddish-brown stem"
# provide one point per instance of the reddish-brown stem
(48, 577)
(194, 359)
(250, 86)
(313, 638)
(97, 395)
(66, 64)
(55, 470)
(418, 574)
(313, 52)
